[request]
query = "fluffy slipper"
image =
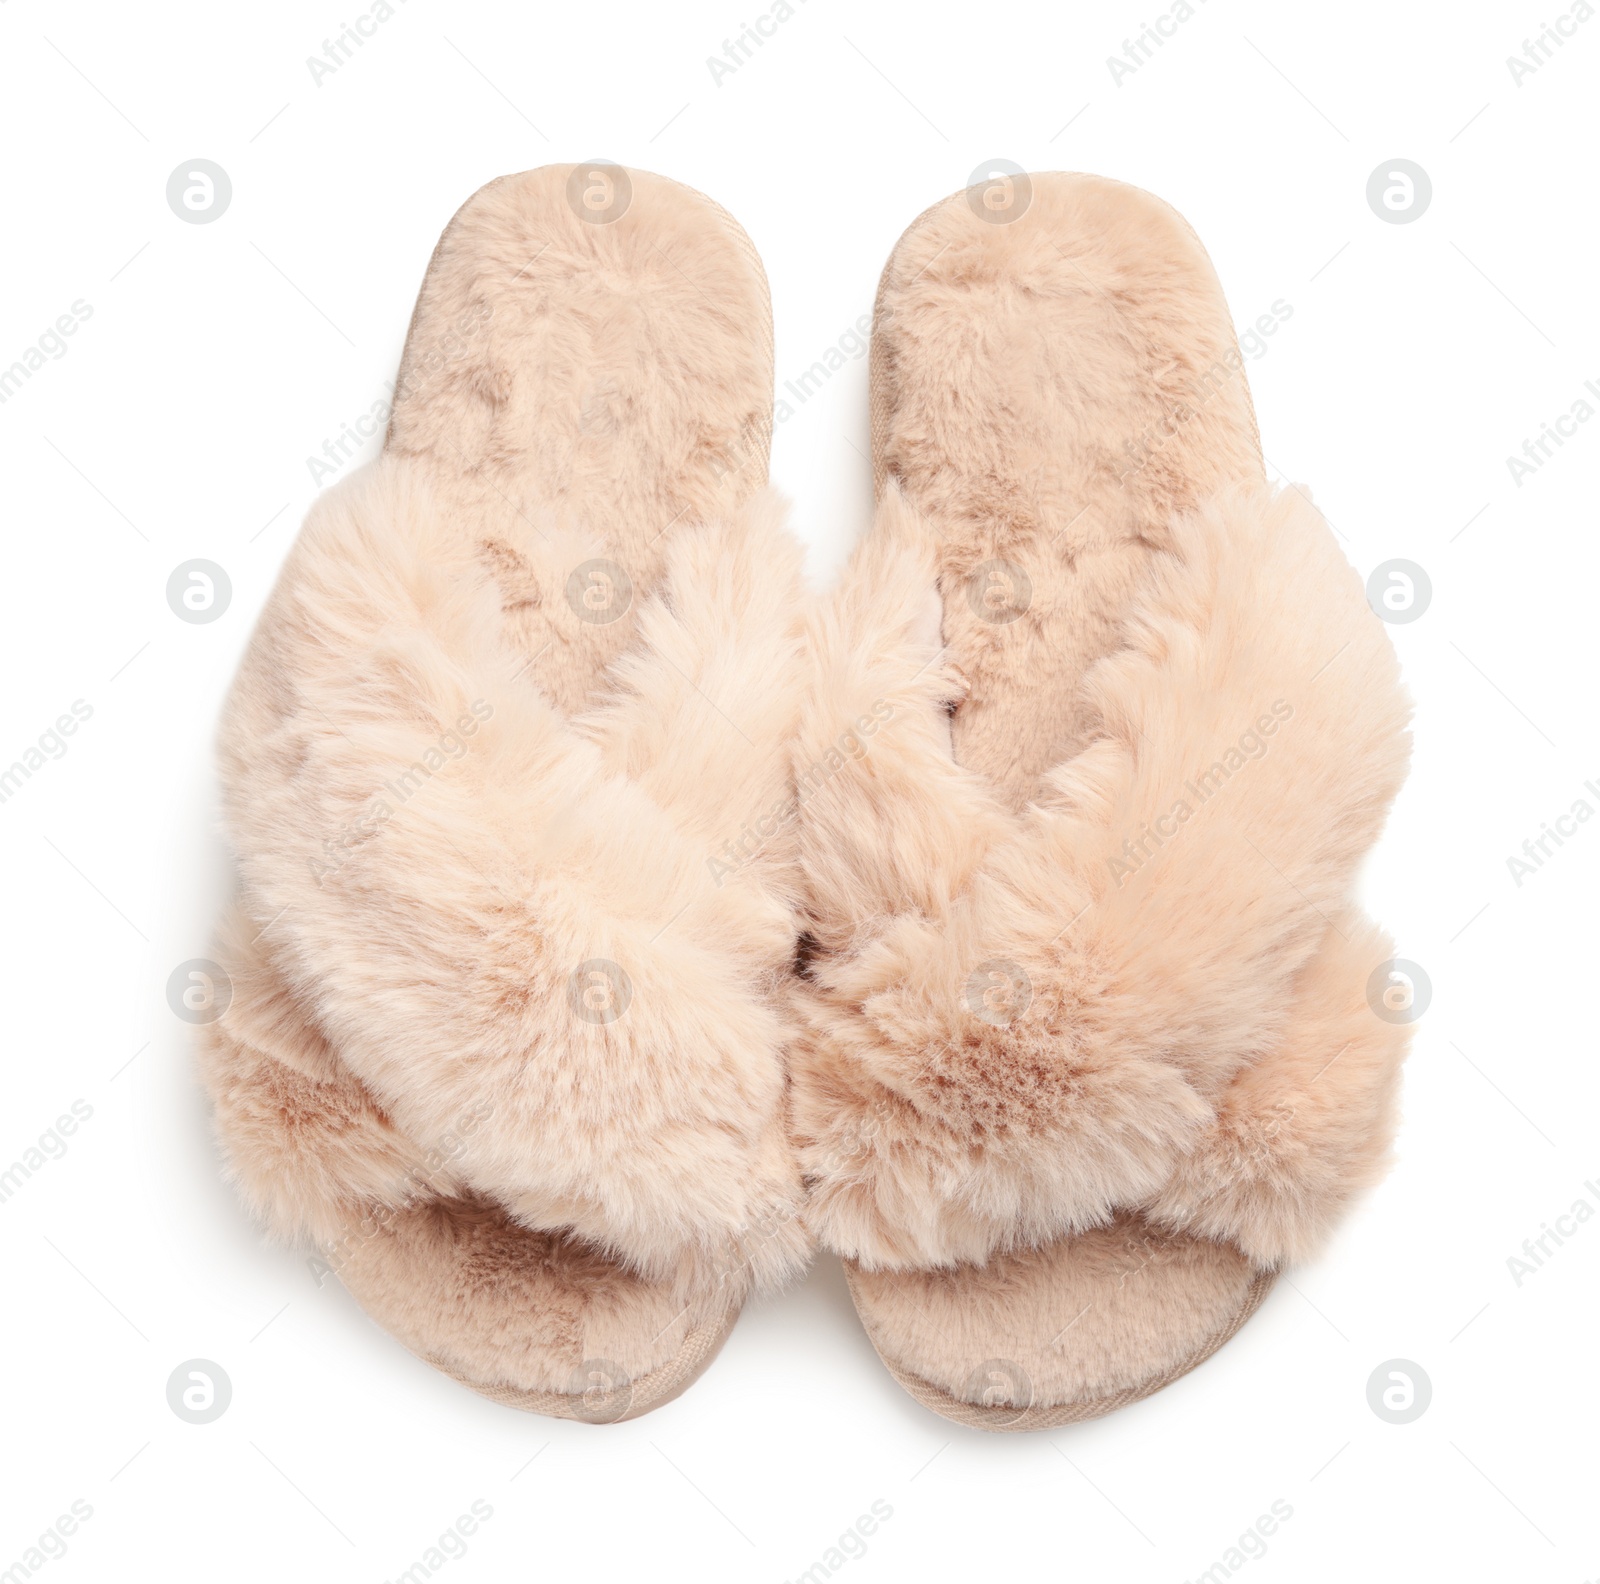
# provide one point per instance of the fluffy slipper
(507, 1029)
(1101, 727)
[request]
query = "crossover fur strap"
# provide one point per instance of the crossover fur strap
(494, 913)
(1026, 1022)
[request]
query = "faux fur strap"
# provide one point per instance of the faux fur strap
(1027, 1021)
(493, 912)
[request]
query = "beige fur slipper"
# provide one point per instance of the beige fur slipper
(1101, 726)
(506, 1032)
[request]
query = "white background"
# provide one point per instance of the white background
(220, 356)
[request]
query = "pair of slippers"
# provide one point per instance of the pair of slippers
(616, 923)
